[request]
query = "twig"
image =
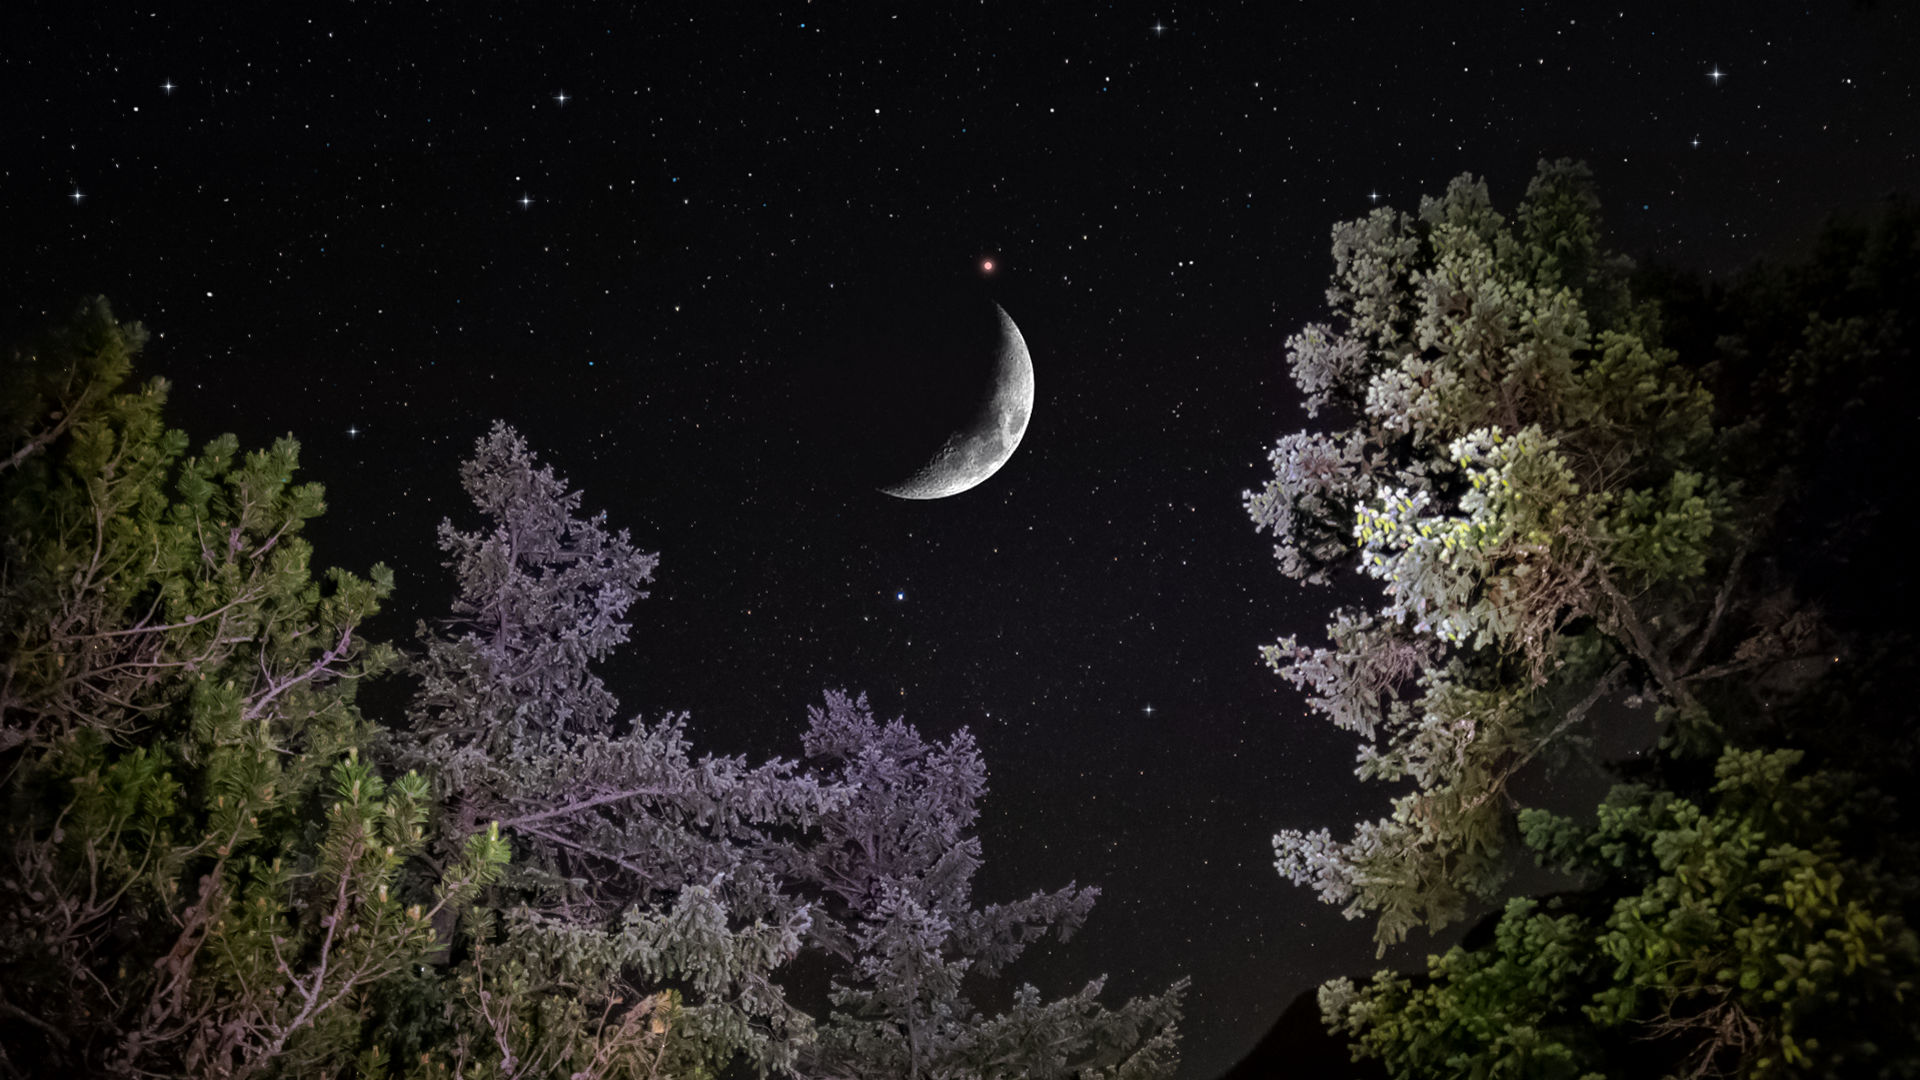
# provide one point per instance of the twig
(576, 807)
(1642, 642)
(243, 598)
(1719, 606)
(638, 871)
(319, 665)
(54, 1033)
(44, 439)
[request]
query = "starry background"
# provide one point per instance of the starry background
(639, 236)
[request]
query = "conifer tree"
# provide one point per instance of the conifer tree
(206, 871)
(635, 863)
(895, 864)
(644, 875)
(1538, 486)
(1753, 919)
(1755, 931)
(200, 875)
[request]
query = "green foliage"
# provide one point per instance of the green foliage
(199, 872)
(209, 869)
(1759, 932)
(541, 1001)
(1540, 490)
(65, 376)
(1754, 921)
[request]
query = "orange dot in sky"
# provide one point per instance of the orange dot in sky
(987, 265)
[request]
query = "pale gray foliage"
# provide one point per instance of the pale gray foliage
(1353, 682)
(1315, 484)
(897, 863)
(635, 860)
(1371, 259)
(1520, 469)
(627, 849)
(1325, 365)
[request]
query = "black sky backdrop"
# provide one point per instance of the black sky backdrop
(645, 236)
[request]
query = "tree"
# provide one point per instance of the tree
(1757, 932)
(1814, 373)
(200, 868)
(895, 864)
(208, 872)
(649, 884)
(1539, 487)
(1750, 920)
(637, 868)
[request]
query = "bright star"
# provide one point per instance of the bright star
(1148, 710)
(901, 595)
(1159, 27)
(1374, 195)
(167, 87)
(562, 98)
(1716, 75)
(353, 431)
(987, 265)
(77, 196)
(526, 201)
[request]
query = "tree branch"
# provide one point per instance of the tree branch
(44, 439)
(59, 1037)
(1642, 640)
(244, 598)
(1719, 606)
(325, 660)
(576, 807)
(639, 871)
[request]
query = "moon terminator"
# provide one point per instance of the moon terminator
(978, 449)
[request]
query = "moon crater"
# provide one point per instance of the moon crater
(983, 444)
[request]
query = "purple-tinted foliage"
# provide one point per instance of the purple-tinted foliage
(632, 859)
(635, 858)
(541, 594)
(896, 863)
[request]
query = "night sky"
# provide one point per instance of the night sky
(645, 238)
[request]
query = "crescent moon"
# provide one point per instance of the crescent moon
(978, 450)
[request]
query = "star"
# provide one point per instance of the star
(353, 431)
(1159, 27)
(526, 201)
(986, 265)
(900, 595)
(1374, 195)
(1149, 711)
(77, 196)
(1716, 75)
(562, 98)
(167, 87)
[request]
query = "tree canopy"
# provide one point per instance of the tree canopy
(1754, 931)
(641, 869)
(216, 865)
(1564, 521)
(201, 866)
